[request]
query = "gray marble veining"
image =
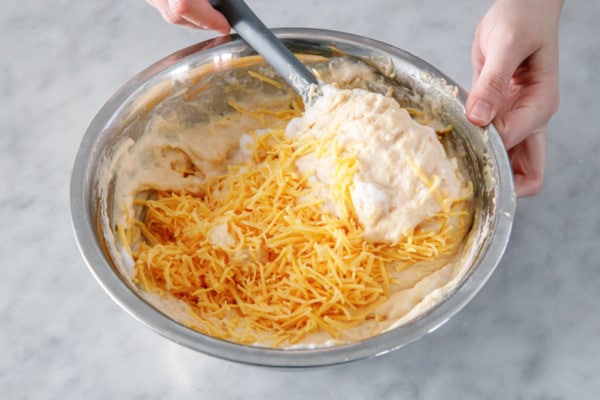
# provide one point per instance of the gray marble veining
(531, 333)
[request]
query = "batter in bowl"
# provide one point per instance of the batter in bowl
(267, 224)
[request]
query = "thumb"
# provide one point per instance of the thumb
(501, 62)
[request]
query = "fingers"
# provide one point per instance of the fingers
(528, 161)
(515, 82)
(165, 11)
(200, 13)
(195, 14)
(529, 114)
(523, 131)
(501, 62)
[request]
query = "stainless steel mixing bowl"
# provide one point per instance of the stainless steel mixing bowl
(123, 116)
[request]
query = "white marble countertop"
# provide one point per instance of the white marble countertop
(531, 333)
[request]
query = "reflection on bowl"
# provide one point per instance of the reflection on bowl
(178, 84)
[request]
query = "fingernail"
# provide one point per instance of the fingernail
(482, 111)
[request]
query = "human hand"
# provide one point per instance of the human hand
(515, 82)
(196, 14)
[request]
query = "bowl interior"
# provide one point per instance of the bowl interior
(178, 80)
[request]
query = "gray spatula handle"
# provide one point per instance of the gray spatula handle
(243, 20)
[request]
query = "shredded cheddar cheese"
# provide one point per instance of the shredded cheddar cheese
(264, 79)
(257, 259)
